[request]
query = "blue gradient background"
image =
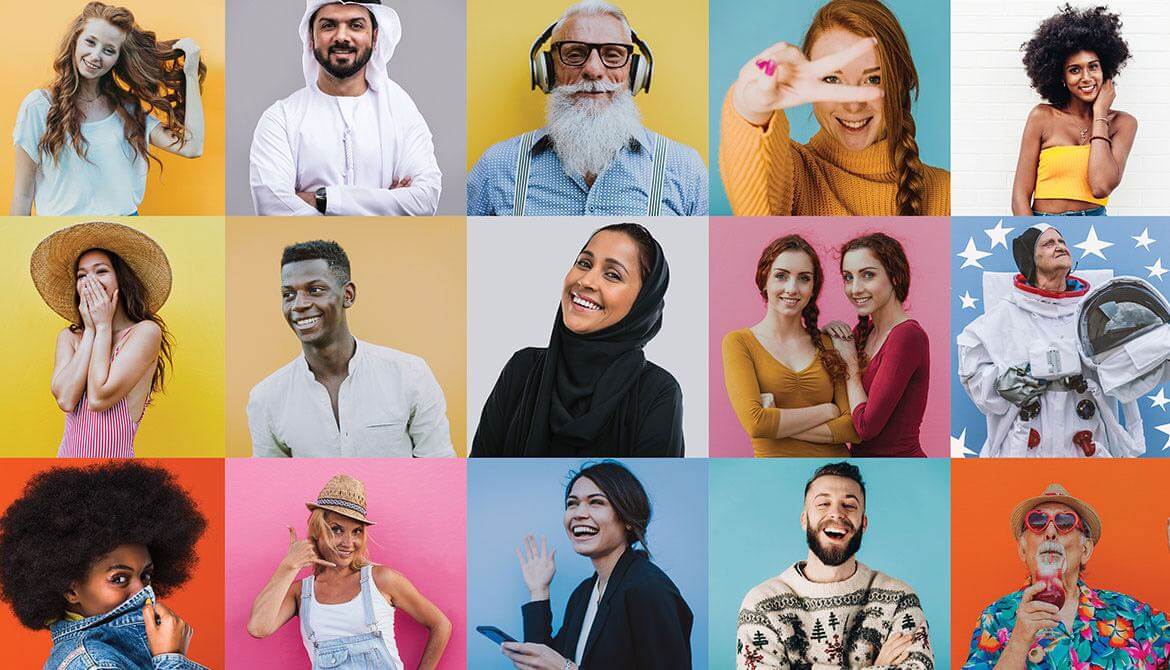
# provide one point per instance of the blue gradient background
(510, 498)
(756, 535)
(740, 29)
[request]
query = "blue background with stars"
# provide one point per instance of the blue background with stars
(1133, 246)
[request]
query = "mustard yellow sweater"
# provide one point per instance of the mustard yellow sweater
(765, 173)
(750, 370)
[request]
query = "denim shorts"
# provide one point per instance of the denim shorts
(1099, 210)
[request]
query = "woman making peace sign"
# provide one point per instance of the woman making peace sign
(855, 69)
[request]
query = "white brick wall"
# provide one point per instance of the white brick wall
(991, 98)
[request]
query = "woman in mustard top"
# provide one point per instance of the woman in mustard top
(1075, 146)
(784, 379)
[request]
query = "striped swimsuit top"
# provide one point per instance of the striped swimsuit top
(106, 434)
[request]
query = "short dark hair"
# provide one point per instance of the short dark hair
(840, 469)
(1071, 30)
(326, 250)
(373, 19)
(625, 493)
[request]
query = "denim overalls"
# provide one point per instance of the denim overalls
(365, 651)
(116, 640)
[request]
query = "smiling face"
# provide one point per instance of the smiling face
(603, 81)
(592, 524)
(603, 283)
(1083, 75)
(1052, 256)
(856, 125)
(343, 38)
(867, 284)
(112, 579)
(314, 300)
(791, 282)
(1052, 547)
(96, 264)
(347, 538)
(834, 518)
(98, 48)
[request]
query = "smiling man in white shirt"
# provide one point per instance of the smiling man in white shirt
(352, 142)
(341, 397)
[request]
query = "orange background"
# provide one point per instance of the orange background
(199, 602)
(411, 277)
(1129, 496)
(183, 186)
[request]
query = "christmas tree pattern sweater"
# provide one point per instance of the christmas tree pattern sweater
(789, 622)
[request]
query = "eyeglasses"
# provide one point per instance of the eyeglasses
(575, 54)
(1037, 521)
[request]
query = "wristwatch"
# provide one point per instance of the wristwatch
(321, 200)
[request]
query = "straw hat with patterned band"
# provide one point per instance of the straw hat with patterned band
(54, 263)
(1055, 493)
(345, 496)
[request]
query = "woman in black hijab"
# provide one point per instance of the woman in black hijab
(592, 392)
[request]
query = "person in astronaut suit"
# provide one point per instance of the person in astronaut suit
(1021, 365)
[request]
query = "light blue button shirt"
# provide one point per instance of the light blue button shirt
(621, 189)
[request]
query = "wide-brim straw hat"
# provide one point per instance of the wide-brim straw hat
(343, 495)
(54, 264)
(1055, 493)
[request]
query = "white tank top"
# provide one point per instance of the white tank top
(330, 622)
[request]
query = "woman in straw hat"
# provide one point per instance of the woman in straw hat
(108, 281)
(347, 605)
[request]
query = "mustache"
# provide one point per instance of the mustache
(346, 48)
(596, 86)
(846, 523)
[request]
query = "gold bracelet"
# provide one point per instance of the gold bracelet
(1102, 119)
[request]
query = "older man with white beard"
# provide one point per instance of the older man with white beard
(594, 156)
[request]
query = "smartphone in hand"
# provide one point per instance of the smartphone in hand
(495, 634)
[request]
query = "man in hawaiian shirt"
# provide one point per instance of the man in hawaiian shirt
(1039, 627)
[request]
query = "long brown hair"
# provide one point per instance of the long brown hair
(892, 256)
(147, 79)
(871, 18)
(833, 363)
(132, 296)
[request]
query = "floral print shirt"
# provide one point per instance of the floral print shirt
(1112, 631)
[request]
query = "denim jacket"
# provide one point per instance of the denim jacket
(115, 640)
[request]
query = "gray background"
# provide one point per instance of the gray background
(264, 65)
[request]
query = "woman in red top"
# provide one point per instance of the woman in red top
(887, 354)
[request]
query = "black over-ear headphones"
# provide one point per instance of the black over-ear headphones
(544, 76)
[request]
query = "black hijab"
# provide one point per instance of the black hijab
(584, 379)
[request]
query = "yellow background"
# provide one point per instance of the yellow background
(35, 31)
(501, 104)
(411, 278)
(186, 419)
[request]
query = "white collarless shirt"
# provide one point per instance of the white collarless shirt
(389, 405)
(587, 624)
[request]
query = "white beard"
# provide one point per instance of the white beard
(588, 134)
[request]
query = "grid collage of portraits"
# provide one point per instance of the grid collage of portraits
(628, 318)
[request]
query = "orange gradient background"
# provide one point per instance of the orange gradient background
(199, 602)
(1132, 558)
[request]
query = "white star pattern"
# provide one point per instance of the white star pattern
(1093, 245)
(1159, 399)
(1144, 240)
(968, 300)
(1156, 270)
(959, 446)
(1164, 428)
(971, 256)
(998, 234)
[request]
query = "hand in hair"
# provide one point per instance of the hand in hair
(781, 77)
(538, 564)
(302, 553)
(191, 55)
(848, 351)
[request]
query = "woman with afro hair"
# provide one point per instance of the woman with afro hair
(86, 552)
(1075, 146)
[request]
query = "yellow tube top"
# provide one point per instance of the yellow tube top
(1063, 174)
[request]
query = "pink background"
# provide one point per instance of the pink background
(735, 303)
(421, 513)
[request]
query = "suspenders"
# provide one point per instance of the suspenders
(657, 175)
(367, 604)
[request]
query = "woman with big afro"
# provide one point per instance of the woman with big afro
(1075, 145)
(86, 552)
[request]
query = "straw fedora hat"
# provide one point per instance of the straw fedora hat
(1058, 494)
(343, 495)
(54, 261)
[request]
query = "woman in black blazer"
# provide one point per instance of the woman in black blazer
(629, 614)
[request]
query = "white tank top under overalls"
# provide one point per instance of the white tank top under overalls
(349, 636)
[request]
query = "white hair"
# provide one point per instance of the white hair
(593, 8)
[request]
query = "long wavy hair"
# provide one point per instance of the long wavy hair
(132, 296)
(833, 363)
(892, 256)
(871, 18)
(147, 79)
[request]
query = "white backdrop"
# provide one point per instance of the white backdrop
(515, 272)
(991, 98)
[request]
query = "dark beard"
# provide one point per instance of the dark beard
(831, 556)
(359, 62)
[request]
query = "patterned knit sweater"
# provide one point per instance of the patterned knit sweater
(766, 173)
(790, 622)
